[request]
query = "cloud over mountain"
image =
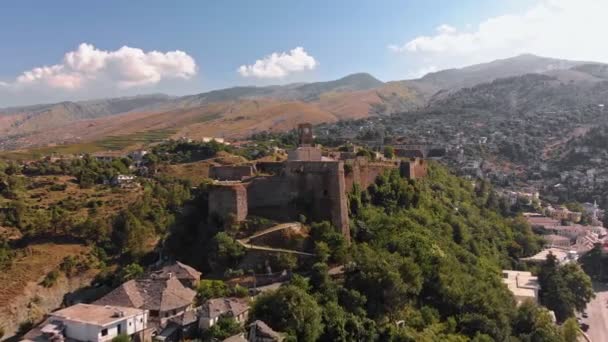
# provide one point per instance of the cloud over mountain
(279, 65)
(557, 28)
(125, 68)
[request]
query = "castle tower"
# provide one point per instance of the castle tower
(305, 138)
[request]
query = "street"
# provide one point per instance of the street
(597, 310)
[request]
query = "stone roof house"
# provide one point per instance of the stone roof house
(261, 332)
(187, 275)
(167, 300)
(213, 309)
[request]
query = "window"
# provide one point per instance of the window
(104, 332)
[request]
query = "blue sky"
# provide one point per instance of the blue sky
(219, 36)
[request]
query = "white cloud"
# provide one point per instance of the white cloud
(555, 28)
(126, 67)
(279, 65)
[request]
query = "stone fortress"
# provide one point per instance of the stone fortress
(308, 183)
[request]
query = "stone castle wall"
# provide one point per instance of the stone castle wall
(414, 168)
(231, 172)
(364, 173)
(317, 189)
(226, 200)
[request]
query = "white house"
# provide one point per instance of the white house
(87, 322)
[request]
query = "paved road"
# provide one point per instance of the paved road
(598, 314)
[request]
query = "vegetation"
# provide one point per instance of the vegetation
(435, 247)
(224, 328)
(565, 288)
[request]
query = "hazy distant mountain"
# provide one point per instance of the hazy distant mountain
(20, 120)
(521, 83)
(487, 72)
(300, 91)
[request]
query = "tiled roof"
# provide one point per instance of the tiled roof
(178, 270)
(221, 306)
(150, 294)
(263, 330)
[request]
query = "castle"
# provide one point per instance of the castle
(306, 183)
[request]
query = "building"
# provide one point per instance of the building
(261, 332)
(553, 240)
(561, 255)
(187, 275)
(523, 285)
(169, 302)
(123, 180)
(214, 309)
(306, 183)
(87, 322)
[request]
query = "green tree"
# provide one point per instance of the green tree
(399, 278)
(292, 310)
(121, 338)
(224, 328)
(224, 251)
(570, 330)
(565, 289)
(131, 271)
(208, 289)
(389, 152)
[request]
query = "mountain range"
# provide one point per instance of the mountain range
(240, 111)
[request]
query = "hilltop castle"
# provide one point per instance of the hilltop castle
(306, 183)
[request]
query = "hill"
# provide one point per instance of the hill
(454, 79)
(21, 120)
(522, 83)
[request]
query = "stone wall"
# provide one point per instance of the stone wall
(226, 200)
(317, 189)
(364, 173)
(231, 172)
(414, 168)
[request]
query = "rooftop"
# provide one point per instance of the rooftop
(521, 284)
(221, 306)
(100, 315)
(151, 294)
(178, 270)
(559, 253)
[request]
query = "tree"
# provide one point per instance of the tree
(399, 279)
(292, 310)
(130, 271)
(534, 323)
(224, 328)
(224, 251)
(322, 251)
(208, 289)
(389, 152)
(570, 330)
(565, 289)
(286, 261)
(121, 338)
